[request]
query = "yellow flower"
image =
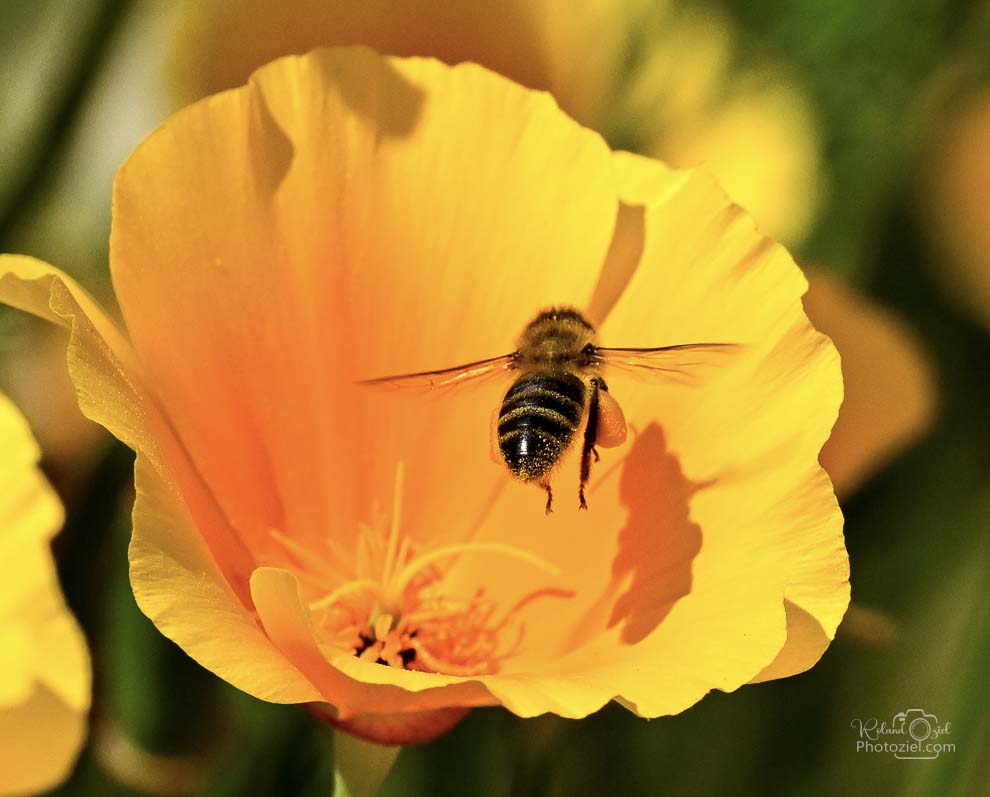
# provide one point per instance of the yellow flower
(685, 99)
(44, 665)
(347, 216)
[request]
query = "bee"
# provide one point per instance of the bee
(558, 386)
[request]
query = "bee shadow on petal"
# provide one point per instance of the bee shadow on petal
(659, 541)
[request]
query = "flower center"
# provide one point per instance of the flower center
(391, 606)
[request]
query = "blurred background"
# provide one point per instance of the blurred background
(857, 133)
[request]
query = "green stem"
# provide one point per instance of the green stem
(360, 767)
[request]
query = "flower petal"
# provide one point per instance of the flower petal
(890, 387)
(179, 586)
(786, 387)
(255, 255)
(816, 595)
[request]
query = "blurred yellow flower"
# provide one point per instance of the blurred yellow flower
(44, 664)
(954, 198)
(684, 98)
(346, 215)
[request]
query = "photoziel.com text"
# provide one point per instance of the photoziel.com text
(911, 734)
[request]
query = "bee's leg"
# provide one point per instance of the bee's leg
(590, 434)
(546, 486)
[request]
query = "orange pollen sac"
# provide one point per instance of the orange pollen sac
(391, 608)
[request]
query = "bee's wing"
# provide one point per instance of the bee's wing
(446, 378)
(686, 364)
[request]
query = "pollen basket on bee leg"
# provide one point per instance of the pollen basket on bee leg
(611, 422)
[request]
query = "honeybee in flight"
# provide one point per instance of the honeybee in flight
(558, 385)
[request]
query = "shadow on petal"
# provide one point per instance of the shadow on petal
(621, 260)
(402, 112)
(659, 541)
(271, 151)
(395, 105)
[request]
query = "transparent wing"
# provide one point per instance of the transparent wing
(686, 364)
(446, 378)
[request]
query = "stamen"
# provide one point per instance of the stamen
(393, 537)
(548, 592)
(383, 625)
(403, 552)
(425, 560)
(345, 589)
(303, 554)
(447, 668)
(364, 558)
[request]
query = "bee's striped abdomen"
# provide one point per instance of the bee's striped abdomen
(537, 421)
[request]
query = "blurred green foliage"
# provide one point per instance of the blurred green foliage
(917, 533)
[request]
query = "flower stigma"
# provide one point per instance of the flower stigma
(390, 606)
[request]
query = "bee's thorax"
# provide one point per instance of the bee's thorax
(556, 338)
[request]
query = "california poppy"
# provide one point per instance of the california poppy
(346, 216)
